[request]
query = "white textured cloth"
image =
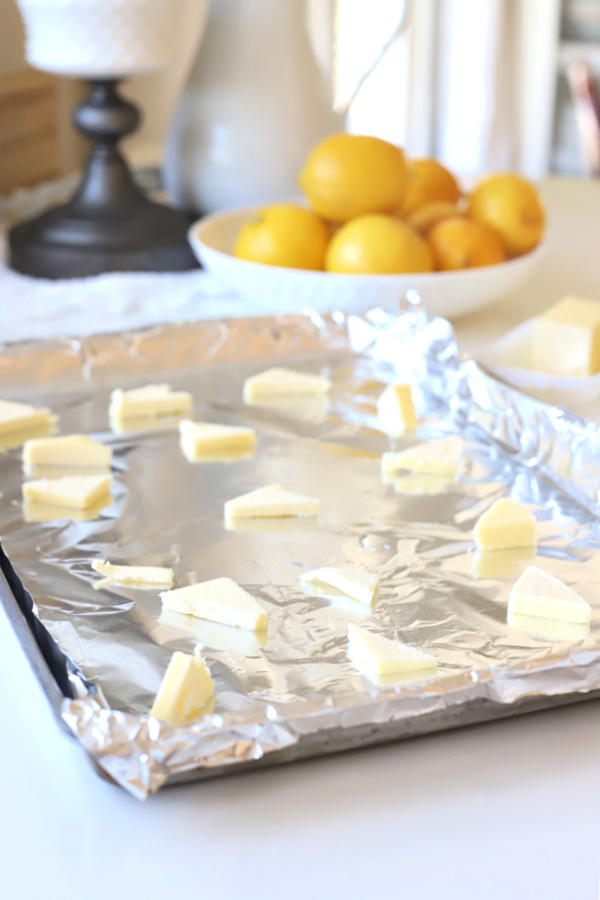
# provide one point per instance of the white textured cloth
(35, 308)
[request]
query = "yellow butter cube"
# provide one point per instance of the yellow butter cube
(185, 689)
(505, 525)
(566, 338)
(396, 410)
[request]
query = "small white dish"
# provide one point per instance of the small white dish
(273, 289)
(510, 358)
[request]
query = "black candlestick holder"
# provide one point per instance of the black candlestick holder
(109, 225)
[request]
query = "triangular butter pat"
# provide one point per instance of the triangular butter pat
(283, 382)
(361, 586)
(75, 491)
(18, 416)
(396, 410)
(200, 438)
(505, 525)
(220, 600)
(158, 575)
(438, 457)
(150, 400)
(377, 655)
(272, 500)
(536, 593)
(185, 689)
(66, 450)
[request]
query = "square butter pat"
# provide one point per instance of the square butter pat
(200, 438)
(151, 400)
(185, 689)
(396, 410)
(537, 593)
(566, 338)
(66, 450)
(437, 457)
(272, 500)
(76, 491)
(504, 526)
(220, 600)
(18, 416)
(377, 655)
(158, 575)
(280, 382)
(361, 586)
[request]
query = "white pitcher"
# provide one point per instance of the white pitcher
(255, 103)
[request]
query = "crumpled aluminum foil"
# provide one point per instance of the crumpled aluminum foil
(298, 694)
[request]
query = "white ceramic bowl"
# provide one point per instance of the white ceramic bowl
(273, 289)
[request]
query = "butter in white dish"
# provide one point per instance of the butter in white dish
(280, 382)
(566, 338)
(76, 491)
(374, 654)
(537, 593)
(504, 526)
(201, 439)
(185, 690)
(437, 457)
(219, 600)
(359, 585)
(396, 410)
(152, 400)
(66, 450)
(273, 500)
(145, 575)
(22, 416)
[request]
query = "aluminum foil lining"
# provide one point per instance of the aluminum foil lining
(297, 693)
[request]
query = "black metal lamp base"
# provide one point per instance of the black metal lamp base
(109, 225)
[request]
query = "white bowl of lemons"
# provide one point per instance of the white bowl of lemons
(372, 227)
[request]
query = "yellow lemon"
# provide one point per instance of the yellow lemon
(428, 182)
(425, 218)
(512, 207)
(349, 175)
(284, 235)
(464, 244)
(377, 245)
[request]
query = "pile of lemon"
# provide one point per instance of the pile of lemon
(372, 211)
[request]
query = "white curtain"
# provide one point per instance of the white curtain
(472, 82)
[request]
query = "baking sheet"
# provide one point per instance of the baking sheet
(297, 693)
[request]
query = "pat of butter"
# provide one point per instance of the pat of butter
(504, 526)
(271, 500)
(185, 689)
(158, 575)
(420, 485)
(361, 586)
(17, 416)
(566, 338)
(220, 600)
(396, 410)
(66, 450)
(76, 491)
(150, 400)
(437, 457)
(281, 382)
(537, 593)
(378, 655)
(201, 438)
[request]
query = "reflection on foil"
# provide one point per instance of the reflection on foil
(298, 694)
(549, 629)
(502, 563)
(35, 511)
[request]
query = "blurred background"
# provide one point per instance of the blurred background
(481, 84)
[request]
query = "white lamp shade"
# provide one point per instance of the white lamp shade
(100, 38)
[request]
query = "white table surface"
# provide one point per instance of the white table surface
(509, 809)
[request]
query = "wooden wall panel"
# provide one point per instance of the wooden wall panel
(28, 129)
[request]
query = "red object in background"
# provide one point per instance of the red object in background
(587, 109)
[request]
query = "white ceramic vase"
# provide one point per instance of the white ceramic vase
(255, 103)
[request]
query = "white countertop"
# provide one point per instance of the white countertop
(501, 810)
